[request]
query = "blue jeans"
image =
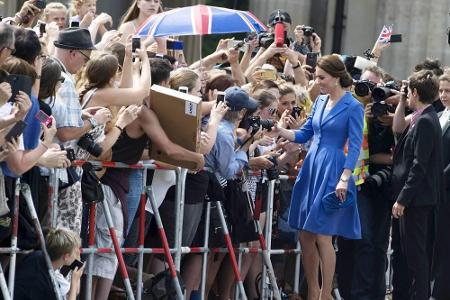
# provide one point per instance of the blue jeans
(134, 194)
(370, 260)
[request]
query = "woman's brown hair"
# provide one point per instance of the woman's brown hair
(183, 77)
(333, 65)
(133, 12)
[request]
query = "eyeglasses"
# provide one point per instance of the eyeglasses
(87, 58)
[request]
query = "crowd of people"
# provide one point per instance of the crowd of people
(370, 154)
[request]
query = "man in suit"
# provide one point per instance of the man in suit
(417, 184)
(441, 262)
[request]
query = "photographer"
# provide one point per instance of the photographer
(417, 185)
(372, 177)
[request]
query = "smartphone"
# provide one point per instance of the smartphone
(268, 74)
(16, 131)
(183, 89)
(41, 4)
(396, 38)
(220, 97)
(296, 111)
(19, 83)
(74, 24)
(70, 154)
(311, 60)
(42, 28)
(76, 264)
(44, 118)
(135, 44)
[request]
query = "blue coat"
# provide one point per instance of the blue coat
(323, 167)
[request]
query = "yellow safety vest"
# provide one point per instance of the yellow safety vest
(361, 171)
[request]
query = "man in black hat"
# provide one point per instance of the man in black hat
(72, 51)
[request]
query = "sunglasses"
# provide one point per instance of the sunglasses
(87, 58)
(61, 79)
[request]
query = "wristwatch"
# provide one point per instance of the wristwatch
(93, 122)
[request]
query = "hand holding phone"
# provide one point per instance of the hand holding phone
(44, 118)
(76, 264)
(15, 131)
(311, 60)
(395, 38)
(220, 97)
(135, 44)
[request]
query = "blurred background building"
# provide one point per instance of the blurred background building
(345, 26)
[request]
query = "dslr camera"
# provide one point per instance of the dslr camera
(86, 142)
(308, 31)
(363, 87)
(379, 95)
(380, 178)
(256, 122)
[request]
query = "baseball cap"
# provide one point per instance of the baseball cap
(238, 99)
(284, 15)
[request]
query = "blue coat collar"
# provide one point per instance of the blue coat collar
(340, 106)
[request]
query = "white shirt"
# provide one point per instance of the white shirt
(5, 110)
(444, 117)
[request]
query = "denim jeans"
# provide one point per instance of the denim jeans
(134, 195)
(370, 260)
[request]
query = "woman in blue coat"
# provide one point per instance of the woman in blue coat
(324, 197)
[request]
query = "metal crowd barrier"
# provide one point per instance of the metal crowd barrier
(174, 264)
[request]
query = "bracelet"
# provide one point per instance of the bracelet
(297, 66)
(118, 127)
(343, 180)
(38, 77)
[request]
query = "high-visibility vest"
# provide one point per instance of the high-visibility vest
(361, 171)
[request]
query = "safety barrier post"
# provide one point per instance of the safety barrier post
(15, 227)
(3, 285)
(122, 267)
(91, 244)
(143, 200)
(53, 186)
(162, 235)
(179, 212)
(230, 248)
(38, 229)
(270, 193)
(205, 253)
(297, 268)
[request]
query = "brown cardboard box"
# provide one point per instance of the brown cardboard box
(180, 117)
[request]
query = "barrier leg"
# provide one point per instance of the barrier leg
(226, 233)
(270, 193)
(88, 290)
(297, 268)
(162, 235)
(52, 197)
(38, 228)
(122, 267)
(205, 254)
(179, 212)
(143, 199)
(15, 226)
(3, 286)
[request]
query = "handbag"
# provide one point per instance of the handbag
(91, 187)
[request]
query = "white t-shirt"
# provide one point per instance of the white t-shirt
(5, 110)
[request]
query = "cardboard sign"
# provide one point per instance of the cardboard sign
(180, 117)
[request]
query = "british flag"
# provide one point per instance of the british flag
(385, 34)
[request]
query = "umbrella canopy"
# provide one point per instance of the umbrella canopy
(200, 20)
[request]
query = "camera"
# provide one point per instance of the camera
(41, 4)
(380, 178)
(86, 142)
(272, 173)
(379, 95)
(308, 30)
(363, 87)
(265, 39)
(256, 122)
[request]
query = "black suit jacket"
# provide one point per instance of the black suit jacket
(417, 173)
(446, 157)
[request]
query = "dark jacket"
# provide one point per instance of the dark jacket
(446, 157)
(417, 172)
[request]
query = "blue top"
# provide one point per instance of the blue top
(223, 159)
(31, 134)
(323, 166)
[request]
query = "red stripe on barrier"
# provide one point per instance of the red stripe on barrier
(162, 234)
(262, 242)
(234, 264)
(142, 219)
(122, 267)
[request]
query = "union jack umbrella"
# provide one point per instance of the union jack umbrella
(200, 20)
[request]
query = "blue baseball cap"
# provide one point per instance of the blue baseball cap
(238, 99)
(332, 203)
